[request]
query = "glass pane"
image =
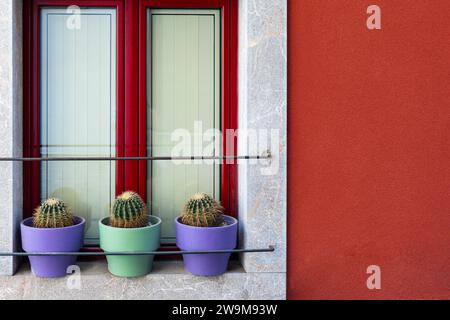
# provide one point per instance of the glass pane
(183, 93)
(78, 110)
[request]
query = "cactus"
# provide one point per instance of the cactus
(129, 211)
(52, 213)
(202, 210)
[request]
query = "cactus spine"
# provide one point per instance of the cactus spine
(202, 210)
(129, 211)
(52, 213)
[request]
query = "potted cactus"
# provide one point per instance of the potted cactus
(130, 228)
(52, 228)
(203, 226)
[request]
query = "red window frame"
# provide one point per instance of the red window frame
(131, 92)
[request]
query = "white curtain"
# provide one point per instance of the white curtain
(78, 109)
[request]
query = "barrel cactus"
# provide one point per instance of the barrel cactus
(129, 211)
(202, 210)
(52, 213)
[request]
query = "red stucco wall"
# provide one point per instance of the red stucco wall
(369, 149)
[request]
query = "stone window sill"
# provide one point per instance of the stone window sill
(168, 280)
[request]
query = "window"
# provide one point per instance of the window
(77, 111)
(183, 94)
(119, 86)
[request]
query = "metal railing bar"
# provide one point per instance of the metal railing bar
(147, 253)
(167, 158)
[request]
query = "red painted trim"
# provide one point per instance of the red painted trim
(80, 3)
(229, 86)
(143, 101)
(131, 94)
(31, 111)
(226, 36)
(233, 108)
(120, 112)
(27, 116)
(187, 4)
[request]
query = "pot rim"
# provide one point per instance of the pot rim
(104, 225)
(234, 220)
(82, 221)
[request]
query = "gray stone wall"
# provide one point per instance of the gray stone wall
(263, 106)
(10, 129)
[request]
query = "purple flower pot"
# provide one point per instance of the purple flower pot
(68, 239)
(201, 238)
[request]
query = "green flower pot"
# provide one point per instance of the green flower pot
(130, 240)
